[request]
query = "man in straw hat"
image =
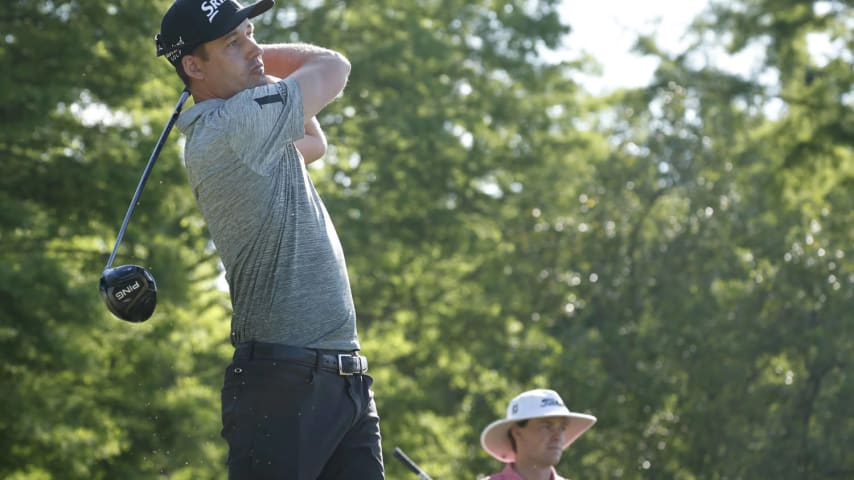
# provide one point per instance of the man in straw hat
(533, 436)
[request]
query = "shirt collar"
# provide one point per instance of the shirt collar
(509, 473)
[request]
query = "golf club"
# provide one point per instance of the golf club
(130, 291)
(410, 464)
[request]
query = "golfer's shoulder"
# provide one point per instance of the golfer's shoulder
(217, 116)
(278, 93)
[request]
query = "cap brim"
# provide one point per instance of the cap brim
(249, 11)
(257, 8)
(495, 441)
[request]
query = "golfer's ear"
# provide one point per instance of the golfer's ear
(191, 67)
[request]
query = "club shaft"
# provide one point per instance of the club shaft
(398, 453)
(145, 173)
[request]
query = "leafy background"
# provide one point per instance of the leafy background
(674, 259)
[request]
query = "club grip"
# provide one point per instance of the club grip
(410, 464)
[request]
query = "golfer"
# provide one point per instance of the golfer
(296, 402)
(533, 436)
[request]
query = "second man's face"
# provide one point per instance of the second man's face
(540, 441)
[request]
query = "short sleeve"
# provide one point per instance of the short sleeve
(262, 121)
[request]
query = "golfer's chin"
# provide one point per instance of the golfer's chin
(553, 456)
(258, 79)
(268, 79)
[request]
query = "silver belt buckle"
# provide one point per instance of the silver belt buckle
(358, 358)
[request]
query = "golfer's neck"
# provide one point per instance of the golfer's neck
(533, 472)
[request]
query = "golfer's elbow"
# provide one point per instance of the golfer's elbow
(342, 68)
(344, 61)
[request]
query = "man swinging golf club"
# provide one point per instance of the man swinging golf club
(296, 401)
(533, 436)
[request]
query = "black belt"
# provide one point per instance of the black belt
(342, 363)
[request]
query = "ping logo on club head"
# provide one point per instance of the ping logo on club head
(211, 8)
(127, 290)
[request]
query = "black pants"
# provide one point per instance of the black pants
(291, 420)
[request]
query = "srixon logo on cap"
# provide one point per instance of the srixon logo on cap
(211, 8)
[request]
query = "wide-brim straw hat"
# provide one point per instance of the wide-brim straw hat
(527, 405)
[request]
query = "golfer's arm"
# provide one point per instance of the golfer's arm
(321, 73)
(282, 59)
(313, 145)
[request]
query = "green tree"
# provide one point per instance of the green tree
(447, 114)
(85, 395)
(733, 335)
(673, 260)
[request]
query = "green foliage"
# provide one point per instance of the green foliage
(87, 396)
(673, 260)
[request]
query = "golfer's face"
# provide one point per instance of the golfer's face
(540, 441)
(234, 62)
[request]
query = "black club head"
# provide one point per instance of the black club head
(129, 292)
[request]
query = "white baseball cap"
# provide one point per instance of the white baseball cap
(531, 404)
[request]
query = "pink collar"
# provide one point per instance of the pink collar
(509, 473)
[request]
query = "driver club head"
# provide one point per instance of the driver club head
(129, 292)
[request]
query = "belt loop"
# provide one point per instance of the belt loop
(317, 357)
(314, 370)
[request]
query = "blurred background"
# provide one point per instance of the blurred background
(665, 239)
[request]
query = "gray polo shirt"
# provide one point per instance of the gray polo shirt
(284, 263)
